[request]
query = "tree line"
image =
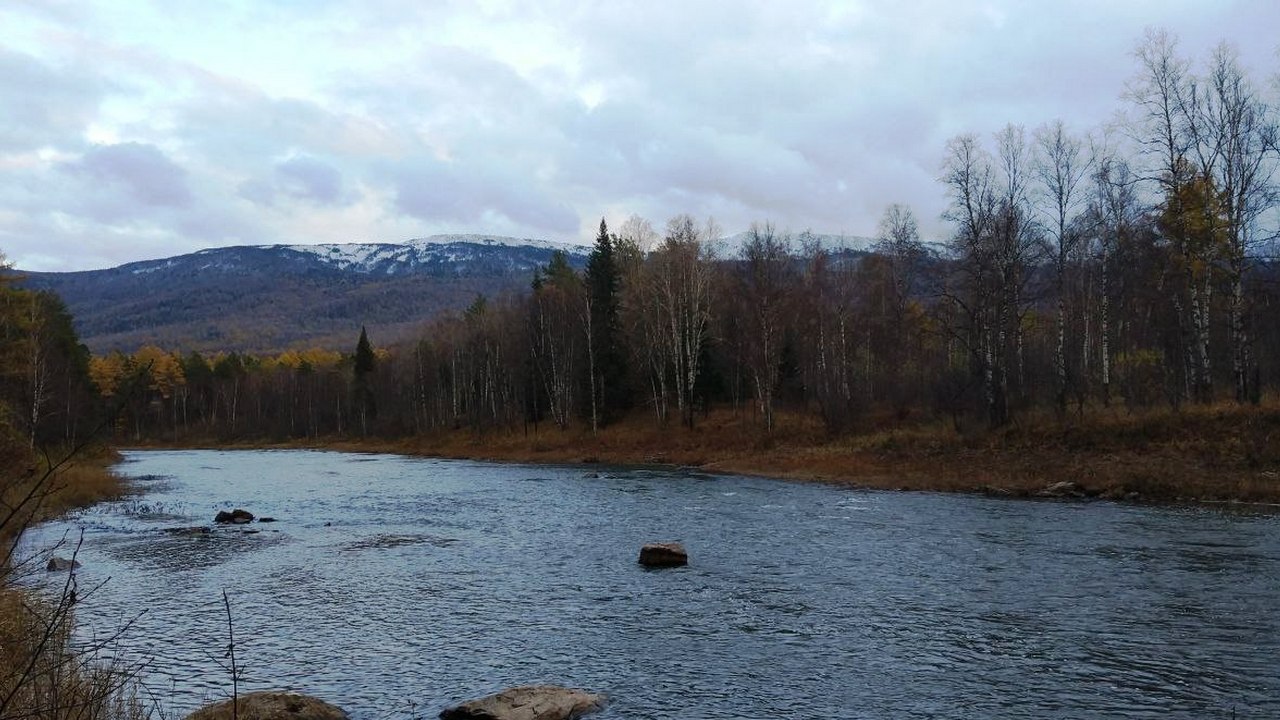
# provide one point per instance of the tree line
(1122, 267)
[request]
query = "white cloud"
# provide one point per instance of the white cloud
(129, 130)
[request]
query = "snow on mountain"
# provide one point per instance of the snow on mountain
(441, 255)
(499, 241)
(434, 251)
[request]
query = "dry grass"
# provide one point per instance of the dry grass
(1221, 452)
(1218, 452)
(30, 492)
(42, 675)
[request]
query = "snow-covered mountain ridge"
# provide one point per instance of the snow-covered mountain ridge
(447, 255)
(430, 251)
(437, 255)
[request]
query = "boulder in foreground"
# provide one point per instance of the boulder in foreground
(271, 706)
(663, 555)
(528, 702)
(236, 516)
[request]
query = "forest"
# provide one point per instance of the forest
(1123, 268)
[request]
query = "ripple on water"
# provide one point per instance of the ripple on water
(392, 582)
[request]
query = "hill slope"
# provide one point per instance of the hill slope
(268, 298)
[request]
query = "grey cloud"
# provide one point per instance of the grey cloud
(443, 193)
(299, 178)
(310, 179)
(808, 114)
(145, 173)
(42, 104)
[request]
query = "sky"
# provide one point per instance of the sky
(134, 130)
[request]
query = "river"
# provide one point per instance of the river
(394, 586)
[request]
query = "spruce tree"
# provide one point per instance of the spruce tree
(603, 278)
(361, 387)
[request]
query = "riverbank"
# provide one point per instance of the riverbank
(1223, 452)
(41, 673)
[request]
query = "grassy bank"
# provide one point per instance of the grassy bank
(34, 489)
(1223, 452)
(41, 674)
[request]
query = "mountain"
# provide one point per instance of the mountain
(268, 298)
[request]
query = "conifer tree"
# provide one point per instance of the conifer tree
(362, 390)
(608, 361)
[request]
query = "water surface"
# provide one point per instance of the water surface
(395, 586)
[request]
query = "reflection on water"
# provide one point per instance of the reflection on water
(389, 583)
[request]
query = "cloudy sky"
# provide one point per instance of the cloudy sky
(133, 129)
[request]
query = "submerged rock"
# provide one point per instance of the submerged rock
(663, 555)
(528, 702)
(237, 516)
(271, 706)
(193, 531)
(57, 564)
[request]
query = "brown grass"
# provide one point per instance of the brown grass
(1222, 452)
(41, 674)
(34, 493)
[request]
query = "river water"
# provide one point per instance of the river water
(395, 586)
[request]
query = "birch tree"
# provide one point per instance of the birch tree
(1238, 132)
(683, 292)
(764, 280)
(1060, 168)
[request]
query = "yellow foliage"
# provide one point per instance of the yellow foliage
(165, 369)
(106, 372)
(289, 358)
(319, 358)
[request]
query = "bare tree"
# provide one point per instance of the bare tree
(764, 281)
(638, 233)
(1060, 168)
(898, 244)
(683, 285)
(1238, 130)
(994, 245)
(1115, 218)
(828, 334)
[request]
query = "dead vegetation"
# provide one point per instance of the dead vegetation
(44, 673)
(1217, 452)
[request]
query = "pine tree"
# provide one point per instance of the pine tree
(362, 390)
(603, 278)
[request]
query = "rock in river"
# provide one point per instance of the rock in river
(57, 564)
(271, 706)
(528, 702)
(236, 516)
(670, 554)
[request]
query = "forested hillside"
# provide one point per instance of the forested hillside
(265, 299)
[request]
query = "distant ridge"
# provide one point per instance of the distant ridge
(421, 252)
(267, 298)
